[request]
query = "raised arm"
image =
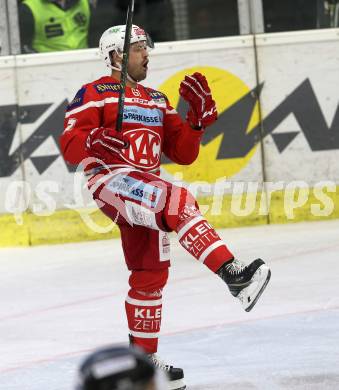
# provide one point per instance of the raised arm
(182, 138)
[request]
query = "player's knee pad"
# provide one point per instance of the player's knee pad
(148, 281)
(181, 206)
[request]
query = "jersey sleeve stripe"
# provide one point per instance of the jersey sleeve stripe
(98, 103)
(101, 103)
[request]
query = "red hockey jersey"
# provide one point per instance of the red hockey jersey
(152, 126)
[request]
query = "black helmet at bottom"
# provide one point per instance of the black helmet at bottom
(116, 368)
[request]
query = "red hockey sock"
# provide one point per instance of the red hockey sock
(144, 318)
(199, 238)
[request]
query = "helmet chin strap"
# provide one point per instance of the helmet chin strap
(118, 68)
(130, 78)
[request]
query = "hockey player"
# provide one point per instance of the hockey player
(119, 368)
(126, 185)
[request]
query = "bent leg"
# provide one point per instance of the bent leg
(143, 199)
(195, 234)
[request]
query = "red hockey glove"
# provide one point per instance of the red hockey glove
(195, 90)
(102, 143)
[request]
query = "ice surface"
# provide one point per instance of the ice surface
(57, 303)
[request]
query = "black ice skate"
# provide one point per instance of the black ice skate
(175, 375)
(246, 282)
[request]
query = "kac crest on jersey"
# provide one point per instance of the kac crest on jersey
(144, 150)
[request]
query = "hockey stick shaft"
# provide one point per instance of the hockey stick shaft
(125, 54)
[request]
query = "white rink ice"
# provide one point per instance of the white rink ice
(57, 303)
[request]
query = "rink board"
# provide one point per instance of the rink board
(70, 225)
(294, 91)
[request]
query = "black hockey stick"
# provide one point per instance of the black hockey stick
(125, 53)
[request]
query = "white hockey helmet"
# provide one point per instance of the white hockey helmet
(113, 40)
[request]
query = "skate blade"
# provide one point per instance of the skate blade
(177, 385)
(250, 295)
